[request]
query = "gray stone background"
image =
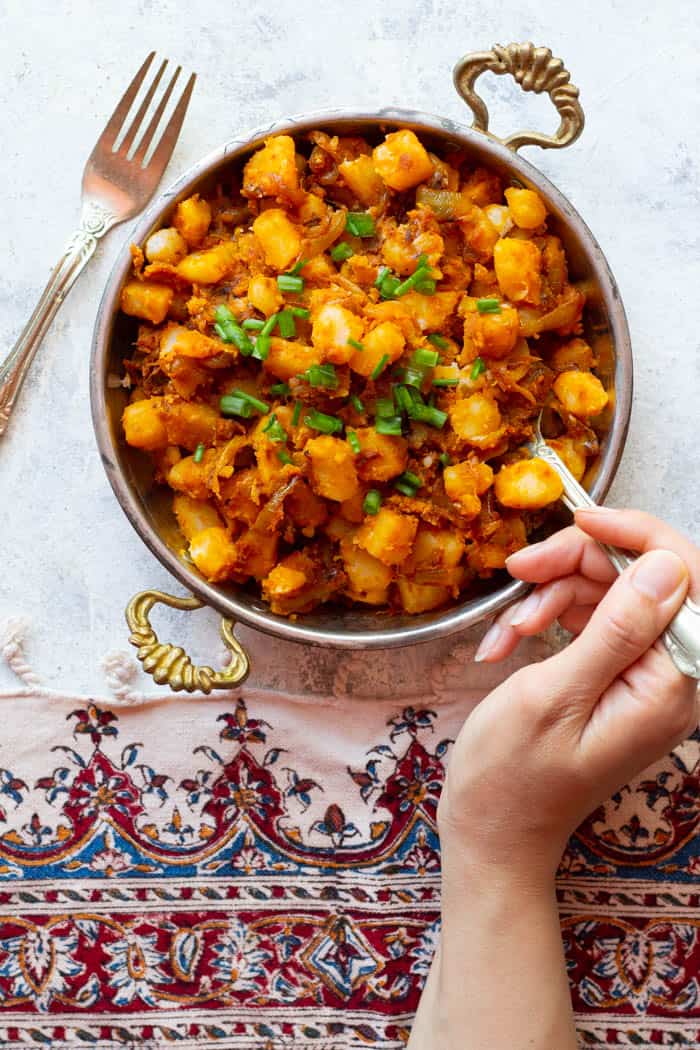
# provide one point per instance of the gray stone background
(69, 559)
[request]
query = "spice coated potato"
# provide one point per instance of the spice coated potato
(340, 356)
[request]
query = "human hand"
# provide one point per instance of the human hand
(547, 746)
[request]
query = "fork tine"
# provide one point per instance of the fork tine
(132, 132)
(165, 147)
(155, 120)
(114, 124)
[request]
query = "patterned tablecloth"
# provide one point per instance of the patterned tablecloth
(257, 871)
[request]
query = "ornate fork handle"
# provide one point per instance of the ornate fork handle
(95, 221)
(682, 636)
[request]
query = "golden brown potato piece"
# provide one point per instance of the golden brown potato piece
(144, 424)
(192, 219)
(279, 237)
(382, 456)
(477, 420)
(272, 170)
(518, 264)
(581, 393)
(465, 482)
(195, 515)
(574, 354)
(388, 535)
(528, 484)
(166, 246)
(402, 161)
(146, 300)
(368, 578)
(287, 359)
(384, 341)
(178, 341)
(420, 597)
(208, 266)
(333, 328)
(264, 295)
(572, 453)
(189, 424)
(333, 473)
(526, 208)
(360, 176)
(214, 553)
(487, 556)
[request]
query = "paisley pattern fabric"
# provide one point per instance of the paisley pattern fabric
(253, 872)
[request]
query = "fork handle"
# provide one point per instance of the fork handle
(94, 222)
(682, 636)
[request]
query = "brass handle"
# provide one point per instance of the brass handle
(170, 664)
(534, 69)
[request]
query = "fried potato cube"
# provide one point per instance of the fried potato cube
(333, 473)
(388, 535)
(420, 597)
(526, 208)
(509, 537)
(574, 354)
(256, 553)
(435, 549)
(214, 553)
(401, 160)
(284, 581)
(287, 358)
(195, 515)
(430, 311)
(490, 334)
(382, 456)
(192, 219)
(361, 178)
(279, 237)
(208, 266)
(477, 420)
(581, 393)
(264, 295)
(465, 482)
(144, 425)
(305, 508)
(572, 453)
(480, 233)
(368, 578)
(518, 264)
(272, 169)
(189, 424)
(528, 484)
(147, 300)
(178, 341)
(402, 248)
(190, 478)
(386, 340)
(333, 327)
(166, 246)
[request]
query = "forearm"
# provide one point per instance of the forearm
(498, 981)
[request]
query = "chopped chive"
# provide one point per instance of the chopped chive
(411, 479)
(425, 285)
(229, 331)
(262, 347)
(426, 358)
(252, 324)
(269, 324)
(372, 502)
(342, 251)
(296, 414)
(403, 398)
(355, 344)
(284, 456)
(353, 441)
(387, 289)
(438, 340)
(404, 488)
(356, 403)
(445, 458)
(280, 390)
(418, 277)
(434, 417)
(384, 407)
(325, 423)
(446, 382)
(260, 406)
(229, 405)
(388, 425)
(413, 377)
(380, 366)
(299, 311)
(199, 453)
(298, 267)
(488, 306)
(321, 375)
(274, 430)
(287, 282)
(477, 368)
(382, 272)
(360, 224)
(223, 315)
(286, 324)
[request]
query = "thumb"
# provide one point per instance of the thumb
(626, 623)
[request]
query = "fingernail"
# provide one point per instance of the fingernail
(488, 643)
(597, 510)
(525, 609)
(658, 574)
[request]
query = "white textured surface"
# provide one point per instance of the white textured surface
(70, 560)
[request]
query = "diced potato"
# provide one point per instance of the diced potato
(256, 553)
(338, 528)
(192, 219)
(403, 246)
(385, 340)
(499, 216)
(480, 233)
(430, 311)
(333, 473)
(319, 270)
(351, 509)
(144, 425)
(490, 334)
(486, 556)
(382, 456)
(305, 508)
(388, 535)
(287, 358)
(239, 496)
(333, 327)
(526, 208)
(401, 160)
(264, 295)
(572, 453)
(189, 424)
(436, 550)
(528, 484)
(214, 553)
(476, 419)
(147, 300)
(518, 264)
(360, 176)
(581, 393)
(166, 246)
(368, 578)
(208, 266)
(420, 597)
(574, 354)
(195, 515)
(279, 237)
(313, 208)
(272, 169)
(179, 341)
(190, 478)
(465, 482)
(283, 581)
(483, 187)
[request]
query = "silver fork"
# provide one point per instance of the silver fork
(116, 187)
(682, 636)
